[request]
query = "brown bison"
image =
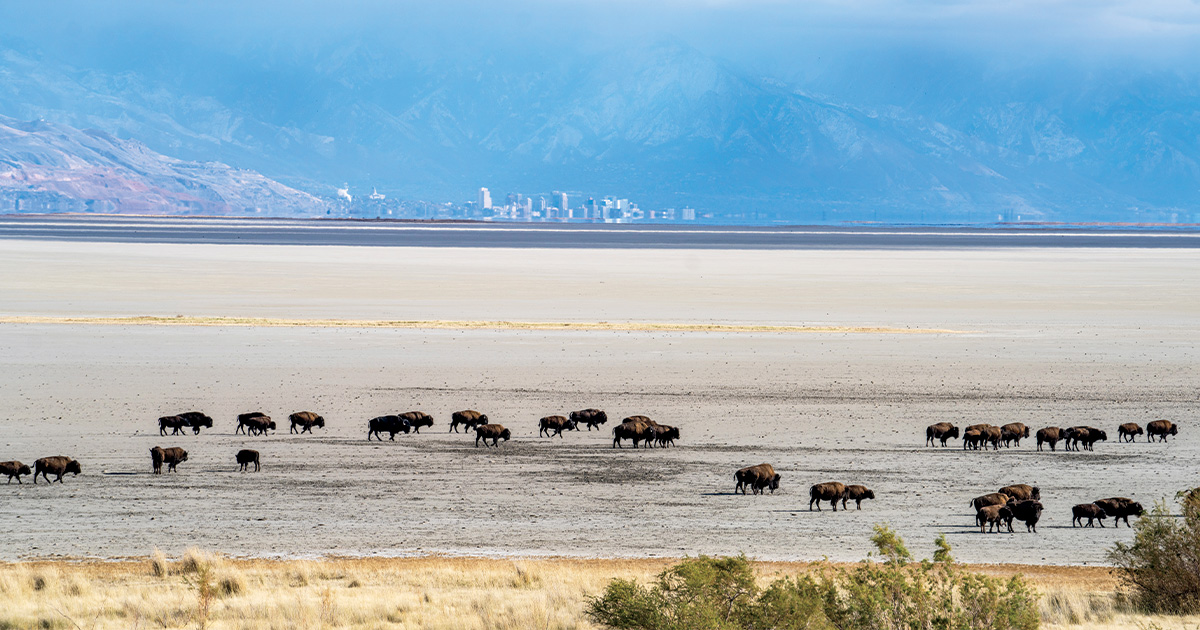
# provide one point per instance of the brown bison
(593, 418)
(493, 432)
(1013, 433)
(994, 517)
(243, 417)
(1049, 435)
(305, 420)
(1128, 432)
(991, 435)
(245, 457)
(664, 435)
(1028, 511)
(1161, 428)
(1022, 492)
(831, 492)
(941, 431)
(555, 425)
(636, 432)
(639, 419)
(1090, 511)
(14, 469)
(417, 419)
(1120, 508)
(175, 423)
(757, 478)
(469, 419)
(386, 424)
(259, 425)
(1087, 437)
(196, 420)
(172, 456)
(58, 465)
(856, 494)
(977, 427)
(972, 439)
(995, 498)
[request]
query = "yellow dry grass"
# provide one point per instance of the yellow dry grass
(206, 590)
(181, 320)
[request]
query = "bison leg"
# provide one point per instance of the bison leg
(859, 501)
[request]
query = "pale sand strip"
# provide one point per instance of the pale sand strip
(149, 320)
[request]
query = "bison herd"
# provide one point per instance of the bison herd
(981, 436)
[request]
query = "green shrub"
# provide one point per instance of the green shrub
(722, 594)
(1159, 570)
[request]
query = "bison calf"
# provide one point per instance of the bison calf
(245, 457)
(831, 492)
(757, 478)
(14, 469)
(856, 494)
(58, 465)
(993, 517)
(1090, 511)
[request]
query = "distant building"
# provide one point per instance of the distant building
(689, 214)
(485, 199)
(559, 200)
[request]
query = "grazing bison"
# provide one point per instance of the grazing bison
(469, 419)
(1090, 511)
(417, 419)
(593, 418)
(555, 425)
(1120, 508)
(243, 417)
(1028, 511)
(856, 494)
(664, 435)
(172, 456)
(635, 431)
(941, 431)
(58, 465)
(175, 423)
(259, 425)
(1049, 435)
(1161, 428)
(995, 498)
(14, 469)
(1022, 492)
(245, 457)
(196, 420)
(493, 432)
(994, 517)
(757, 478)
(1128, 430)
(1013, 432)
(831, 492)
(387, 424)
(306, 420)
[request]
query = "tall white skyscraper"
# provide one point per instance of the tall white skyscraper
(485, 199)
(559, 200)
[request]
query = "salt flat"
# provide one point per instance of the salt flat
(1054, 337)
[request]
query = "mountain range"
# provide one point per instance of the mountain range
(889, 140)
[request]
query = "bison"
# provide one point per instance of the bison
(1028, 511)
(1090, 511)
(469, 419)
(58, 465)
(493, 432)
(245, 457)
(387, 424)
(1128, 432)
(977, 427)
(555, 425)
(1049, 435)
(259, 425)
(991, 435)
(995, 498)
(941, 431)
(994, 517)
(306, 420)
(1013, 432)
(635, 431)
(1161, 428)
(593, 418)
(1088, 437)
(665, 435)
(643, 419)
(831, 492)
(175, 423)
(856, 494)
(196, 420)
(1022, 492)
(757, 478)
(972, 439)
(14, 469)
(243, 417)
(1120, 508)
(417, 419)
(172, 456)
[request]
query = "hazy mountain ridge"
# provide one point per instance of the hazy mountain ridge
(662, 124)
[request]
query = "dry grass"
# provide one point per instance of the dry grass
(181, 320)
(205, 590)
